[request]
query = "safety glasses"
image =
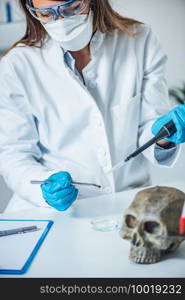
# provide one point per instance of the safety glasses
(50, 14)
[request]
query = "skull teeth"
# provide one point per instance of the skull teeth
(144, 257)
(145, 260)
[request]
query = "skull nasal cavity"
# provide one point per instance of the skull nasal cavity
(135, 240)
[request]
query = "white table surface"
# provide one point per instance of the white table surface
(72, 249)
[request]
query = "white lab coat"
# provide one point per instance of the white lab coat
(51, 122)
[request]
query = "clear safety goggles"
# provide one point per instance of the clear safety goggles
(51, 13)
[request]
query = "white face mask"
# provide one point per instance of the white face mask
(74, 33)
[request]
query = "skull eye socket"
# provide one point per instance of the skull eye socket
(151, 227)
(130, 221)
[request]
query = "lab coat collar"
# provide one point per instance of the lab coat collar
(95, 45)
(97, 39)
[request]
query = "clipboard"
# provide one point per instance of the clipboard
(17, 251)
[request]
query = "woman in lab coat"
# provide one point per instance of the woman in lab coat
(79, 92)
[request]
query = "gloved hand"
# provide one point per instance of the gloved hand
(60, 193)
(177, 115)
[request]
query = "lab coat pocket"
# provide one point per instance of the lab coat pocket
(120, 109)
(125, 120)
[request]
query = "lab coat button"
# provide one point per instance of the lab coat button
(102, 152)
(94, 39)
(90, 75)
(98, 122)
(92, 85)
(105, 162)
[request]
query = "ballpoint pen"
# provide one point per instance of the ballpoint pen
(73, 182)
(18, 230)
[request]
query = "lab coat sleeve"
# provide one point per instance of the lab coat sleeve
(155, 99)
(19, 148)
(165, 156)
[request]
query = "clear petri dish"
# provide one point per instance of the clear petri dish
(105, 225)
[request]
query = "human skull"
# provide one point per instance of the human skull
(151, 223)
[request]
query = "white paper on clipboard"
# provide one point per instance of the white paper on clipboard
(16, 249)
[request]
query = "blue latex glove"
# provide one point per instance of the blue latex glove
(60, 193)
(177, 115)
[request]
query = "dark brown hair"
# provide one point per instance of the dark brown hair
(105, 20)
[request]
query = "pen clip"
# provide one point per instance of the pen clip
(30, 230)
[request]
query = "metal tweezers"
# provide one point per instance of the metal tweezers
(73, 182)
